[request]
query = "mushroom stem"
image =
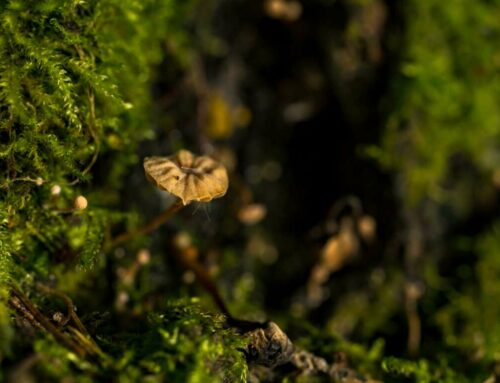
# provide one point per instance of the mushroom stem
(208, 283)
(205, 280)
(149, 227)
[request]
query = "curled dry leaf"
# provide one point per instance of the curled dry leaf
(339, 248)
(189, 177)
(336, 252)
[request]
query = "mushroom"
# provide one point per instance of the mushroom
(186, 176)
(189, 177)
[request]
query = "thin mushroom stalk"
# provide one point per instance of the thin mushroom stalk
(210, 286)
(152, 225)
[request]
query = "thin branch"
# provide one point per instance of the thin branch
(69, 305)
(44, 322)
(204, 278)
(149, 227)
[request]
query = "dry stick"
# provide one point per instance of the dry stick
(86, 342)
(67, 301)
(152, 225)
(69, 305)
(17, 305)
(81, 334)
(46, 324)
(73, 316)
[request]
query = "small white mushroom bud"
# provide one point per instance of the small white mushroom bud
(143, 256)
(55, 190)
(80, 203)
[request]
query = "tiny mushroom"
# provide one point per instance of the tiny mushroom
(189, 177)
(80, 203)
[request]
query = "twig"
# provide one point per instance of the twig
(38, 181)
(71, 310)
(209, 285)
(45, 323)
(204, 278)
(149, 227)
(17, 305)
(86, 342)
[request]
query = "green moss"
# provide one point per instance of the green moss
(182, 344)
(75, 96)
(75, 81)
(446, 96)
(421, 371)
(470, 321)
(441, 141)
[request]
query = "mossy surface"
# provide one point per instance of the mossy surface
(396, 104)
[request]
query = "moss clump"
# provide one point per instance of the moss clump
(75, 81)
(182, 344)
(446, 95)
(420, 371)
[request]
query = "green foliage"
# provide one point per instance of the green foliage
(75, 102)
(470, 321)
(366, 358)
(445, 101)
(6, 270)
(182, 344)
(5, 330)
(92, 236)
(441, 139)
(421, 371)
(75, 82)
(194, 346)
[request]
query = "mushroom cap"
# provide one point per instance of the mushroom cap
(189, 177)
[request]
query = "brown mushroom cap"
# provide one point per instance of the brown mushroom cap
(189, 177)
